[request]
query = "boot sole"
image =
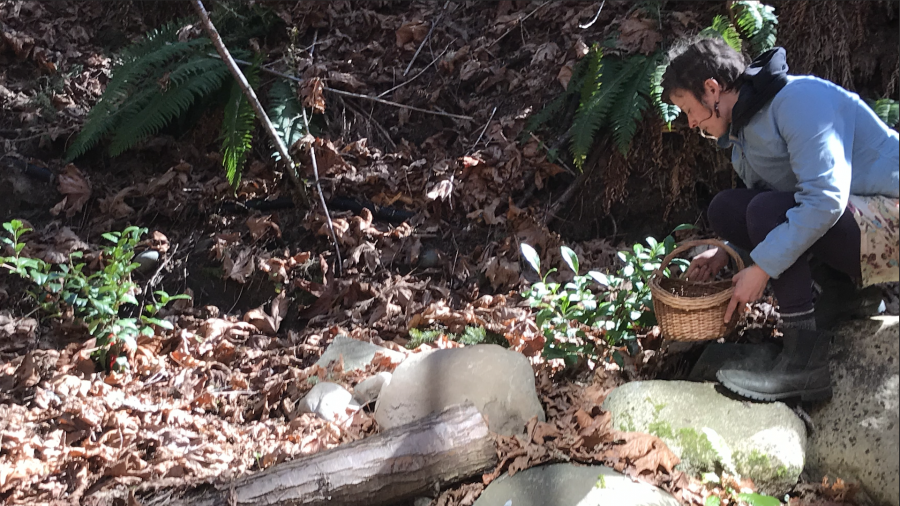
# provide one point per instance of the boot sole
(820, 394)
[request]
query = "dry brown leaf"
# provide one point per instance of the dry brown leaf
(76, 188)
(501, 272)
(269, 323)
(410, 33)
(241, 267)
(115, 205)
(312, 94)
(349, 81)
(646, 452)
(260, 225)
(442, 190)
(638, 35)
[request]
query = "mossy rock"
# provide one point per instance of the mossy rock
(712, 433)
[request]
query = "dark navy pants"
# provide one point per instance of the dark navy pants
(744, 217)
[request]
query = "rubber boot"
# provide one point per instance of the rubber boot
(841, 299)
(801, 370)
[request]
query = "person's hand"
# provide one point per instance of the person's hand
(707, 264)
(749, 285)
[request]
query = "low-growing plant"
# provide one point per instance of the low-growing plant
(472, 334)
(95, 298)
(597, 309)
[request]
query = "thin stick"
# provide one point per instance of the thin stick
(584, 27)
(438, 20)
(483, 130)
(519, 22)
(364, 97)
(417, 75)
(395, 104)
(368, 117)
(213, 34)
(312, 155)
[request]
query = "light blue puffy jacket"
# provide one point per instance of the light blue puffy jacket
(823, 143)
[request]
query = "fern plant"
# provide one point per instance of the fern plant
(756, 23)
(160, 78)
(286, 114)
(887, 109)
(722, 27)
(237, 127)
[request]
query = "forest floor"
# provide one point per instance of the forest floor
(214, 398)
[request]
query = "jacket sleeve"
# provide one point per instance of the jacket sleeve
(819, 141)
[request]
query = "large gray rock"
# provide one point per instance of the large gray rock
(499, 382)
(856, 434)
(357, 354)
(571, 485)
(764, 442)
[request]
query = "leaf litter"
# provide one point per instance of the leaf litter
(215, 397)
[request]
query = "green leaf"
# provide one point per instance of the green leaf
(759, 500)
(531, 256)
(570, 258)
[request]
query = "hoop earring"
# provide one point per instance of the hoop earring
(716, 107)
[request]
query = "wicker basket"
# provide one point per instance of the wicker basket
(692, 311)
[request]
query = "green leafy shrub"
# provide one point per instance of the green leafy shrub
(96, 298)
(615, 307)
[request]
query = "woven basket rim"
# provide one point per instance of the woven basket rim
(688, 303)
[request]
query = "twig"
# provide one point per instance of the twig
(404, 83)
(519, 22)
(483, 130)
(312, 155)
(395, 104)
(433, 25)
(371, 121)
(213, 34)
(364, 97)
(585, 27)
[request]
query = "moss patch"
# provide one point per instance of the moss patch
(762, 467)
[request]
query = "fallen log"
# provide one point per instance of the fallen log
(409, 461)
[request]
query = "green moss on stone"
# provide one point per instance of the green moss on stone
(625, 423)
(697, 449)
(762, 469)
(662, 430)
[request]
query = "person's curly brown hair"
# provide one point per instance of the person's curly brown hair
(691, 64)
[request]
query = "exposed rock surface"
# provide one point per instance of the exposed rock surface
(329, 401)
(498, 381)
(571, 485)
(357, 354)
(857, 433)
(708, 430)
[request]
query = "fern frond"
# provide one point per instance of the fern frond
(286, 114)
(185, 88)
(594, 105)
(237, 127)
(721, 27)
(631, 102)
(668, 112)
(556, 106)
(756, 24)
(129, 77)
(887, 110)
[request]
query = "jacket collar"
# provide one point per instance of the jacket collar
(758, 85)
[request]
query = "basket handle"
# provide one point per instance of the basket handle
(691, 244)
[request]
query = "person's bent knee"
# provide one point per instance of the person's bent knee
(723, 212)
(765, 212)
